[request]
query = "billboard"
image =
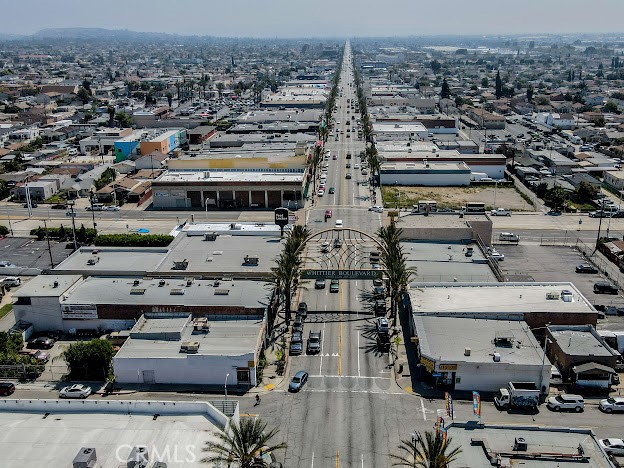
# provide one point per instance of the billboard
(79, 311)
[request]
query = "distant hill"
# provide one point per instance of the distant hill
(96, 33)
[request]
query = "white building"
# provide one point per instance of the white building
(425, 174)
(175, 349)
(481, 355)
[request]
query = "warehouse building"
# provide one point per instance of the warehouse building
(235, 189)
(426, 174)
(478, 354)
(177, 349)
(164, 142)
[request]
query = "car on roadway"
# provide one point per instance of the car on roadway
(348, 176)
(32, 205)
(337, 243)
(11, 281)
(334, 286)
(43, 342)
(321, 192)
(382, 325)
(612, 405)
(112, 208)
(566, 401)
(500, 212)
(328, 214)
(325, 247)
(7, 388)
(332, 190)
(296, 344)
(612, 446)
(302, 309)
(298, 381)
(319, 284)
(314, 343)
(75, 391)
(71, 214)
(376, 209)
(586, 268)
(339, 223)
(348, 165)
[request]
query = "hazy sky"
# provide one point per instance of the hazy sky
(320, 18)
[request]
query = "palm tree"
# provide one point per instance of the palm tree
(395, 262)
(430, 452)
(243, 445)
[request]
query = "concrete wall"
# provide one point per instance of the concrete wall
(192, 369)
(437, 234)
(43, 312)
(428, 180)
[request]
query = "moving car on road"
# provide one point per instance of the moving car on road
(7, 388)
(75, 391)
(500, 212)
(298, 381)
(319, 284)
(334, 286)
(314, 343)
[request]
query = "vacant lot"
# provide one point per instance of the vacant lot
(456, 197)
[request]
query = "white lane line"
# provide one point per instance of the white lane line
(372, 392)
(422, 405)
(322, 342)
(362, 460)
(352, 377)
(312, 460)
(358, 354)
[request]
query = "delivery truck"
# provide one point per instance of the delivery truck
(518, 395)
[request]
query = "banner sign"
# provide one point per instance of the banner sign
(449, 404)
(476, 404)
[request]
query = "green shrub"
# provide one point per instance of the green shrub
(4, 230)
(83, 235)
(133, 240)
(89, 360)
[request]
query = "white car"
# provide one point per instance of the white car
(612, 405)
(376, 209)
(112, 208)
(75, 391)
(612, 446)
(339, 223)
(497, 255)
(566, 401)
(11, 281)
(500, 212)
(382, 325)
(321, 192)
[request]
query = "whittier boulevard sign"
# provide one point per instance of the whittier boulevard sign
(341, 274)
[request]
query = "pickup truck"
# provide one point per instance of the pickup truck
(500, 212)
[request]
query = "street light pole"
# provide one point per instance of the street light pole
(93, 198)
(226, 379)
(73, 217)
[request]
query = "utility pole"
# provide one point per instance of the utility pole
(45, 226)
(73, 217)
(92, 198)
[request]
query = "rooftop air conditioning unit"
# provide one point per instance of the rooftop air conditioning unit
(210, 236)
(136, 282)
(467, 351)
(496, 357)
(86, 458)
(189, 347)
(138, 458)
(520, 444)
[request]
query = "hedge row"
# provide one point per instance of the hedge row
(83, 235)
(133, 240)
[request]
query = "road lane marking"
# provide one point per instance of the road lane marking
(340, 337)
(312, 460)
(371, 377)
(358, 354)
(422, 405)
(362, 460)
(322, 343)
(371, 392)
(337, 459)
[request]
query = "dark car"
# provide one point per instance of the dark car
(348, 176)
(334, 286)
(604, 287)
(59, 206)
(383, 342)
(586, 268)
(298, 381)
(298, 324)
(302, 309)
(32, 205)
(319, 284)
(379, 292)
(337, 243)
(43, 342)
(314, 342)
(7, 388)
(296, 344)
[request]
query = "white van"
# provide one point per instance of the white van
(508, 236)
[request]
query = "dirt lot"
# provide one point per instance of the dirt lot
(456, 197)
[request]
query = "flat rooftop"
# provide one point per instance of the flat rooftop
(496, 298)
(425, 168)
(500, 439)
(439, 220)
(44, 286)
(478, 335)
(226, 338)
(229, 176)
(225, 255)
(579, 341)
(398, 127)
(274, 115)
(138, 260)
(174, 292)
(234, 229)
(446, 262)
(31, 441)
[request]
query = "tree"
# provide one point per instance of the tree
(220, 88)
(83, 95)
(435, 66)
(556, 198)
(529, 93)
(89, 360)
(111, 116)
(485, 82)
(243, 445)
(445, 93)
(431, 452)
(4, 230)
(499, 85)
(585, 192)
(169, 97)
(86, 84)
(612, 107)
(123, 120)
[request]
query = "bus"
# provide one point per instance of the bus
(474, 207)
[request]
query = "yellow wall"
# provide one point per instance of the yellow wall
(296, 162)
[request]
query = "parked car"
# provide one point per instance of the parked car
(302, 309)
(334, 286)
(298, 381)
(612, 405)
(296, 344)
(112, 208)
(612, 446)
(5, 264)
(36, 354)
(32, 205)
(7, 388)
(11, 281)
(586, 268)
(59, 206)
(298, 324)
(319, 284)
(321, 192)
(500, 212)
(497, 255)
(75, 391)
(566, 401)
(604, 287)
(43, 342)
(382, 325)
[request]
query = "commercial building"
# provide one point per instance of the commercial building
(175, 349)
(478, 354)
(128, 146)
(573, 346)
(487, 445)
(38, 190)
(201, 134)
(165, 142)
(104, 140)
(236, 189)
(103, 433)
(71, 302)
(398, 130)
(425, 174)
(450, 228)
(535, 303)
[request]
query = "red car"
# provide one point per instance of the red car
(328, 214)
(7, 388)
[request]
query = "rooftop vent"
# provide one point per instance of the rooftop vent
(496, 357)
(189, 282)
(210, 236)
(180, 265)
(467, 351)
(201, 324)
(176, 292)
(55, 284)
(137, 291)
(136, 282)
(222, 292)
(503, 339)
(189, 347)
(86, 458)
(520, 444)
(161, 283)
(552, 296)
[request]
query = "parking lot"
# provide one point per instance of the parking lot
(532, 262)
(26, 252)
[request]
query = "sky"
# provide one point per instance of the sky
(319, 18)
